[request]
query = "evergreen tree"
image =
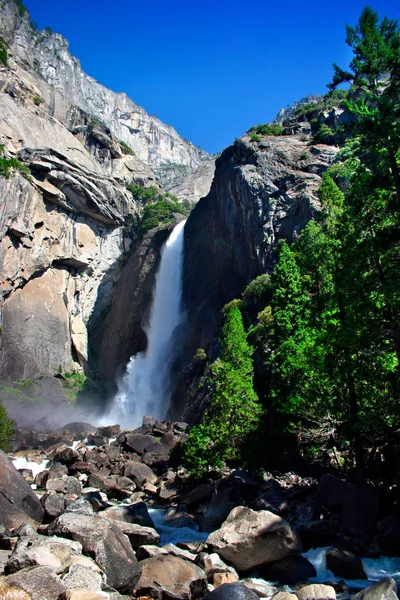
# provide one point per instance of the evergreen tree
(234, 411)
(7, 428)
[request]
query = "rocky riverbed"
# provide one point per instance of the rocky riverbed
(100, 513)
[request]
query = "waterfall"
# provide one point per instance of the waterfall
(146, 386)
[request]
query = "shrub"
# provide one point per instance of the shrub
(200, 355)
(258, 290)
(255, 137)
(37, 100)
(304, 156)
(7, 428)
(159, 212)
(267, 129)
(145, 194)
(73, 383)
(125, 147)
(324, 135)
(3, 52)
(8, 167)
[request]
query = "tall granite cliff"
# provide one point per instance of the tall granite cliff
(264, 190)
(46, 56)
(67, 219)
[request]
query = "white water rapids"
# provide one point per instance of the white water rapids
(146, 386)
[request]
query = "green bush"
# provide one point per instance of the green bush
(200, 355)
(8, 167)
(73, 383)
(255, 137)
(37, 100)
(267, 129)
(324, 135)
(258, 290)
(3, 52)
(125, 147)
(7, 429)
(159, 212)
(145, 194)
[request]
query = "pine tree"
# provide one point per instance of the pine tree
(234, 410)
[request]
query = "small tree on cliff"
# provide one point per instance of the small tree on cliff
(234, 411)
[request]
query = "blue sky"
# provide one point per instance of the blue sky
(214, 68)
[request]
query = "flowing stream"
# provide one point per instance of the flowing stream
(146, 386)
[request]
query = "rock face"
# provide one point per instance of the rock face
(262, 192)
(69, 91)
(249, 539)
(66, 228)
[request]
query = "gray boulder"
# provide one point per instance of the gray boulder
(18, 503)
(106, 543)
(249, 539)
(232, 591)
(344, 563)
(316, 591)
(33, 583)
(171, 577)
(385, 589)
(42, 551)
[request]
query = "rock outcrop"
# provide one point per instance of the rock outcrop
(262, 191)
(66, 90)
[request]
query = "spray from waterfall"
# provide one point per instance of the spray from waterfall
(146, 386)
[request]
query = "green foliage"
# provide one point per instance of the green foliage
(234, 410)
(144, 195)
(34, 25)
(21, 8)
(7, 429)
(8, 167)
(160, 212)
(255, 137)
(3, 52)
(267, 129)
(304, 156)
(258, 290)
(125, 147)
(73, 383)
(48, 30)
(37, 100)
(200, 356)
(324, 135)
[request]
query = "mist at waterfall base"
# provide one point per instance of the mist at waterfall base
(146, 386)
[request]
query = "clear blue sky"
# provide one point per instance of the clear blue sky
(214, 68)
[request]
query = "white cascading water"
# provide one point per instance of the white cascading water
(145, 388)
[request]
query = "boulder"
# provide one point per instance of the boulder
(288, 570)
(389, 534)
(216, 570)
(79, 506)
(38, 583)
(316, 591)
(232, 591)
(139, 473)
(171, 577)
(217, 511)
(344, 563)
(18, 503)
(385, 589)
(106, 543)
(53, 505)
(80, 576)
(42, 551)
(88, 594)
(249, 539)
(358, 504)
